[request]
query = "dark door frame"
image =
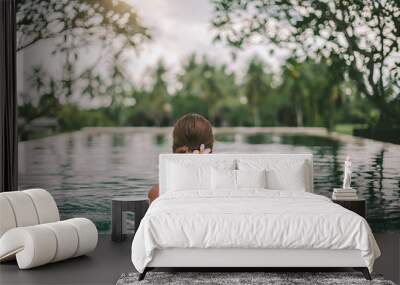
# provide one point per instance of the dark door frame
(8, 98)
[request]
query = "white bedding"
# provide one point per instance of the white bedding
(250, 219)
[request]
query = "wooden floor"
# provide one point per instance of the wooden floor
(103, 266)
(110, 260)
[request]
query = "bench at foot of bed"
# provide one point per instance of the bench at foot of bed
(363, 270)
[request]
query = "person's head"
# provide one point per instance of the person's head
(190, 132)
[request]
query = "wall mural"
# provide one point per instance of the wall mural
(317, 74)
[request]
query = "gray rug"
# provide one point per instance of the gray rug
(228, 278)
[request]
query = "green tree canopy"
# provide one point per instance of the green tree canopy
(88, 21)
(159, 98)
(315, 91)
(257, 86)
(78, 30)
(362, 35)
(212, 83)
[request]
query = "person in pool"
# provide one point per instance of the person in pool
(192, 134)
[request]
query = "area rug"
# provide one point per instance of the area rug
(273, 278)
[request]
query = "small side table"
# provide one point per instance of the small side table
(121, 207)
(357, 206)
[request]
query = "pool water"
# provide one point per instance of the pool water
(84, 170)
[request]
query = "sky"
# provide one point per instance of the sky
(183, 27)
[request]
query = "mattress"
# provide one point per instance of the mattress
(252, 219)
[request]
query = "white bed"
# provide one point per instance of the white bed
(281, 224)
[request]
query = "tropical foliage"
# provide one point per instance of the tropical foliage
(361, 37)
(303, 94)
(337, 75)
(75, 31)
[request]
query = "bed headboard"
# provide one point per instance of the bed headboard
(306, 161)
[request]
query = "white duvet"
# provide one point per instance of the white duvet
(250, 219)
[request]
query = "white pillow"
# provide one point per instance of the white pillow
(231, 180)
(223, 179)
(184, 178)
(251, 178)
(291, 181)
(281, 174)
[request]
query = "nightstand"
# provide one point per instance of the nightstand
(357, 206)
(125, 212)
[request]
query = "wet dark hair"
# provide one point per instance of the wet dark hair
(190, 131)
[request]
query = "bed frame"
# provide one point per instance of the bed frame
(240, 259)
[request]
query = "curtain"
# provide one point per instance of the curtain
(8, 98)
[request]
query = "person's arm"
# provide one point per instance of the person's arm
(154, 193)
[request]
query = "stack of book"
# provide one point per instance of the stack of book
(344, 194)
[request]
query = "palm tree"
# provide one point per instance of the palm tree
(256, 86)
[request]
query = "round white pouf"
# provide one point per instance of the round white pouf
(87, 234)
(33, 246)
(23, 208)
(67, 240)
(6, 215)
(40, 244)
(45, 206)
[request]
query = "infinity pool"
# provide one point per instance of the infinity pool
(84, 170)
